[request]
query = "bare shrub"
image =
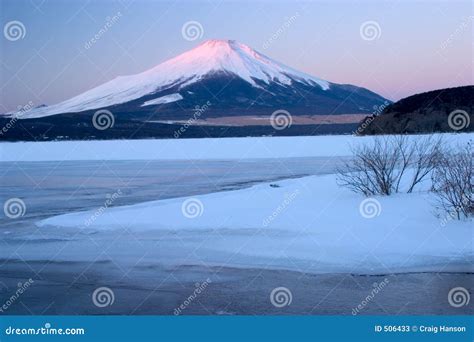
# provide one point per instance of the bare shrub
(453, 180)
(379, 168)
(426, 154)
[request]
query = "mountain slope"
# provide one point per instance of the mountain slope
(236, 79)
(443, 110)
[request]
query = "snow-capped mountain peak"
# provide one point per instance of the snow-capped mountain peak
(232, 57)
(210, 57)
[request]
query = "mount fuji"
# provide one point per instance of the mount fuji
(224, 87)
(233, 77)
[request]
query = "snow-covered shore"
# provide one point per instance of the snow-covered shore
(308, 224)
(187, 149)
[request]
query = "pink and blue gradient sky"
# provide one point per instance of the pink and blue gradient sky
(423, 45)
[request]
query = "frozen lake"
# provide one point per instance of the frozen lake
(153, 272)
(53, 188)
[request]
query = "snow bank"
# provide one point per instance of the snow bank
(185, 149)
(308, 224)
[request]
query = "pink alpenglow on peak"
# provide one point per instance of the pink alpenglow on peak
(233, 57)
(210, 57)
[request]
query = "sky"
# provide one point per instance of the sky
(394, 48)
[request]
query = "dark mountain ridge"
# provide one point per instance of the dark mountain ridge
(443, 110)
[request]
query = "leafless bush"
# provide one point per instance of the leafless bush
(379, 168)
(453, 179)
